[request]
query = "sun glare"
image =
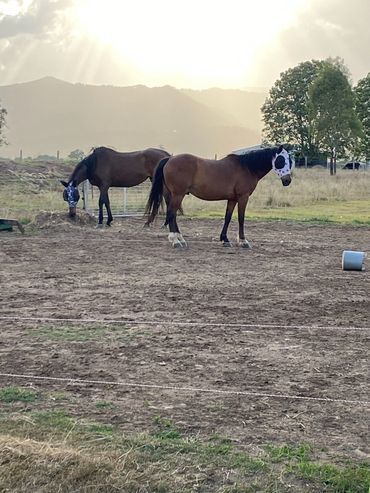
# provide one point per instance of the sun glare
(199, 43)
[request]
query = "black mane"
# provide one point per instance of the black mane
(257, 159)
(88, 163)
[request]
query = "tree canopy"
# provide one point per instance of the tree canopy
(335, 126)
(285, 111)
(362, 94)
(311, 106)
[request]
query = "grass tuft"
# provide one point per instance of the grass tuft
(17, 394)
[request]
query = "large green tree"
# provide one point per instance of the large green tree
(285, 111)
(362, 93)
(335, 126)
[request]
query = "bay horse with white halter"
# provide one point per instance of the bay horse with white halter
(232, 178)
(106, 168)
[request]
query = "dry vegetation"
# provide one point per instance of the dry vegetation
(28, 189)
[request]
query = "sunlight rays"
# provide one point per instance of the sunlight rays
(193, 42)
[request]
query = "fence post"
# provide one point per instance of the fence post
(85, 195)
(124, 200)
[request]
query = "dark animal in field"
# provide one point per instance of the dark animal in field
(232, 178)
(107, 168)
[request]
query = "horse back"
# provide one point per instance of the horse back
(125, 169)
(207, 179)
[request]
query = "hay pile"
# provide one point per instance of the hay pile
(61, 220)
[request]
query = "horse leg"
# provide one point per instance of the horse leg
(107, 206)
(228, 215)
(167, 199)
(242, 204)
(101, 202)
(174, 237)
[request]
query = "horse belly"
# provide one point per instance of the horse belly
(209, 192)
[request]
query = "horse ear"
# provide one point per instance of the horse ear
(64, 183)
(280, 149)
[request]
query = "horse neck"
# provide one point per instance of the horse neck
(263, 171)
(79, 174)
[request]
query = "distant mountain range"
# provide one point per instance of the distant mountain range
(50, 115)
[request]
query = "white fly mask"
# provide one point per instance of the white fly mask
(282, 165)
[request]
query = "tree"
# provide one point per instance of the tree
(76, 155)
(285, 111)
(3, 114)
(362, 94)
(335, 126)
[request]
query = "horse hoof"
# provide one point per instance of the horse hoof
(177, 244)
(99, 226)
(246, 245)
(227, 244)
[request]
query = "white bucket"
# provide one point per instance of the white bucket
(353, 260)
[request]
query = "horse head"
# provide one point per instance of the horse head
(71, 195)
(282, 165)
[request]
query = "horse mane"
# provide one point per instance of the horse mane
(256, 159)
(89, 162)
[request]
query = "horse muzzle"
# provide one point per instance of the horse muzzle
(72, 212)
(286, 180)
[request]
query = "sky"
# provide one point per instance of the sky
(184, 43)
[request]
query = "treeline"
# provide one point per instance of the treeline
(314, 108)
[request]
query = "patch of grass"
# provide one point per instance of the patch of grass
(215, 407)
(99, 429)
(289, 452)
(350, 479)
(104, 404)
(57, 420)
(167, 430)
(52, 451)
(17, 394)
(59, 396)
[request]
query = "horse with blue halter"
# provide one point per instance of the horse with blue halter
(232, 178)
(106, 168)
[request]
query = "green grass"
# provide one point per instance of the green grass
(330, 478)
(52, 449)
(17, 394)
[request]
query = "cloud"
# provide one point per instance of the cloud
(323, 29)
(42, 16)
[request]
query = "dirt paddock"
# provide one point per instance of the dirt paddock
(228, 297)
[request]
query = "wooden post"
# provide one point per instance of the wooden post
(305, 162)
(57, 155)
(21, 155)
(85, 195)
(124, 200)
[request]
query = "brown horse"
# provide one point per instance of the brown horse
(232, 178)
(107, 168)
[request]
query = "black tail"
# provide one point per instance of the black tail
(156, 192)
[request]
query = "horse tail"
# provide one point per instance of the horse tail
(156, 192)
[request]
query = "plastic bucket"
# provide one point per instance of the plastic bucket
(353, 260)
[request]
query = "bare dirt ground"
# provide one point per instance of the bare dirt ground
(292, 277)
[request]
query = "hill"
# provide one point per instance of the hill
(47, 115)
